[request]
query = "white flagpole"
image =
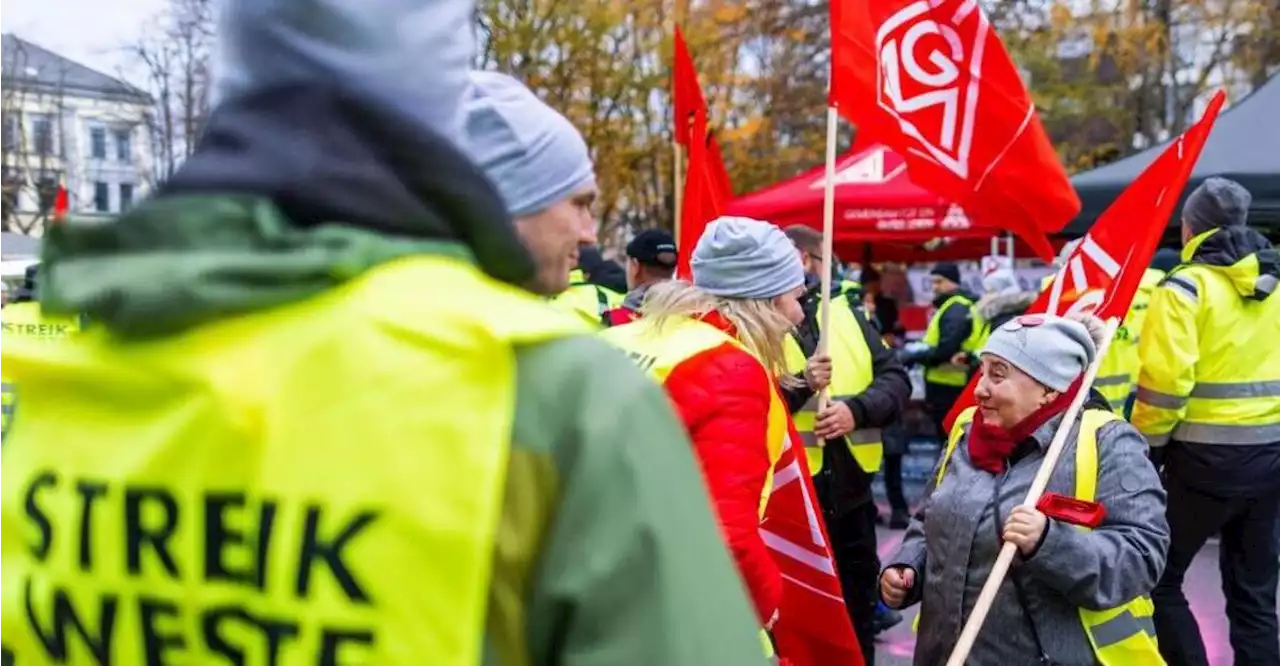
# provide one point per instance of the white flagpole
(1001, 569)
(828, 232)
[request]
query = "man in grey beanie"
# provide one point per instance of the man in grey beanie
(319, 318)
(541, 166)
(1208, 401)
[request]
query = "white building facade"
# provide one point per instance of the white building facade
(64, 123)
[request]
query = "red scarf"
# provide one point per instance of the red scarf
(991, 445)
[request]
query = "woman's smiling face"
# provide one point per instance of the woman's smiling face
(1006, 395)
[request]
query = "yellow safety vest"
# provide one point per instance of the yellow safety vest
(659, 351)
(1119, 368)
(270, 488)
(1120, 636)
(26, 321)
(850, 288)
(1209, 371)
(589, 301)
(851, 374)
(947, 374)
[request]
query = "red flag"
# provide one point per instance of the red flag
(931, 79)
(707, 189)
(61, 205)
(813, 627)
(687, 100)
(1101, 276)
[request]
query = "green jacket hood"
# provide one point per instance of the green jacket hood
(180, 261)
(1241, 254)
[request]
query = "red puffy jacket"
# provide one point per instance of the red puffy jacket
(722, 395)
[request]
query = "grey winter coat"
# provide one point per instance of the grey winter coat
(954, 538)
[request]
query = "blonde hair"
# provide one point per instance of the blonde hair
(760, 327)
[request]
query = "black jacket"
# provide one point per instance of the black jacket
(954, 325)
(879, 405)
(601, 271)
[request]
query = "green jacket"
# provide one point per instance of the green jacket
(608, 552)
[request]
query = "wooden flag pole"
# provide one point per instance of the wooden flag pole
(828, 232)
(1001, 569)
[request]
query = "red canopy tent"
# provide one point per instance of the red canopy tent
(880, 214)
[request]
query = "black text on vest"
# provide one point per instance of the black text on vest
(166, 549)
(39, 330)
(645, 361)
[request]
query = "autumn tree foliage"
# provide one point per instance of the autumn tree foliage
(1109, 76)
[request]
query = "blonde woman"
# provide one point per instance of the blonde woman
(716, 345)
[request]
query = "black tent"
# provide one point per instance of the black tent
(1244, 146)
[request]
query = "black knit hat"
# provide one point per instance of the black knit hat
(947, 270)
(1217, 202)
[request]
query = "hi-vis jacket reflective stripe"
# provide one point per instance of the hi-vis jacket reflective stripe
(1120, 636)
(197, 551)
(947, 374)
(659, 351)
(592, 302)
(1119, 368)
(25, 320)
(1210, 371)
(851, 374)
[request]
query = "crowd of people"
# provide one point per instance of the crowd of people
(357, 385)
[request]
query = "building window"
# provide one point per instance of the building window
(124, 147)
(126, 196)
(101, 198)
(42, 134)
(98, 143)
(11, 132)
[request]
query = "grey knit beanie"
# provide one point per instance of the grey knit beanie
(532, 153)
(408, 55)
(1053, 350)
(743, 258)
(1217, 202)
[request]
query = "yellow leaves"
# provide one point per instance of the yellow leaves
(728, 12)
(744, 130)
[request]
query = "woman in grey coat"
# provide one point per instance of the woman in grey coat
(1031, 367)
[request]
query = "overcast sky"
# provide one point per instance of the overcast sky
(90, 32)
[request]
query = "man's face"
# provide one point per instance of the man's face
(1187, 235)
(942, 285)
(553, 236)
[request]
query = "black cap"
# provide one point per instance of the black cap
(947, 270)
(654, 247)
